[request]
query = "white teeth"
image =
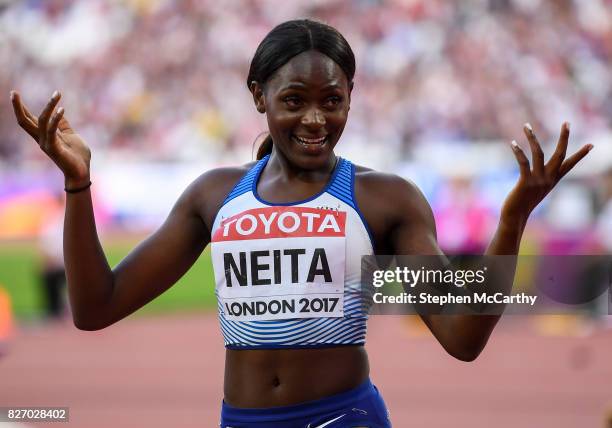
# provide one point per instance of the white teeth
(310, 140)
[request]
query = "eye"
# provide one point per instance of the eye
(333, 101)
(293, 101)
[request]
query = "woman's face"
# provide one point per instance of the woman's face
(306, 103)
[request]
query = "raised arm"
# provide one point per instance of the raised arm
(411, 230)
(100, 296)
(462, 336)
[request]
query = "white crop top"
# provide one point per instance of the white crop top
(289, 275)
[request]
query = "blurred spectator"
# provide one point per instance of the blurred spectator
(165, 80)
(604, 220)
(464, 224)
(6, 320)
(53, 273)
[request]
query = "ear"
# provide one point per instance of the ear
(350, 88)
(258, 96)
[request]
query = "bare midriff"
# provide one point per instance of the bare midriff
(283, 377)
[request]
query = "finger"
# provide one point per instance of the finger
(30, 116)
(552, 167)
(521, 158)
(573, 160)
(64, 125)
(43, 119)
(537, 155)
(52, 140)
(23, 118)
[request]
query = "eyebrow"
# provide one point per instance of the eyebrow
(293, 85)
(300, 85)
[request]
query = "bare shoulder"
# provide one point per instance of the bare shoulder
(372, 185)
(209, 190)
(388, 203)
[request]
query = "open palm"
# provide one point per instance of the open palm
(54, 135)
(537, 180)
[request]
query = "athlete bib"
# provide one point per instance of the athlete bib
(281, 262)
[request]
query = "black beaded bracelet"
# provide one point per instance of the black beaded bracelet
(78, 189)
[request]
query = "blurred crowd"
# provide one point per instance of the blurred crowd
(165, 79)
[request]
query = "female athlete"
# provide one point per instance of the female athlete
(287, 233)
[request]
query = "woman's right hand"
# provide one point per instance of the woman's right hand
(57, 139)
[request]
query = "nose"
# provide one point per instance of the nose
(314, 118)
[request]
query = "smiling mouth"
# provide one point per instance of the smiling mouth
(310, 142)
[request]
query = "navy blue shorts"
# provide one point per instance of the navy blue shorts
(359, 407)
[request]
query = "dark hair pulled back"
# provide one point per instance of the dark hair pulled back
(289, 39)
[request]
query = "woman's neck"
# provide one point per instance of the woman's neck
(279, 165)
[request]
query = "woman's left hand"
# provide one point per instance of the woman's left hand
(535, 183)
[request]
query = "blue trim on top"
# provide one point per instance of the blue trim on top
(308, 346)
(342, 186)
(286, 204)
(244, 184)
(361, 216)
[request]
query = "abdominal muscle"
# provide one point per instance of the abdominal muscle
(283, 377)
